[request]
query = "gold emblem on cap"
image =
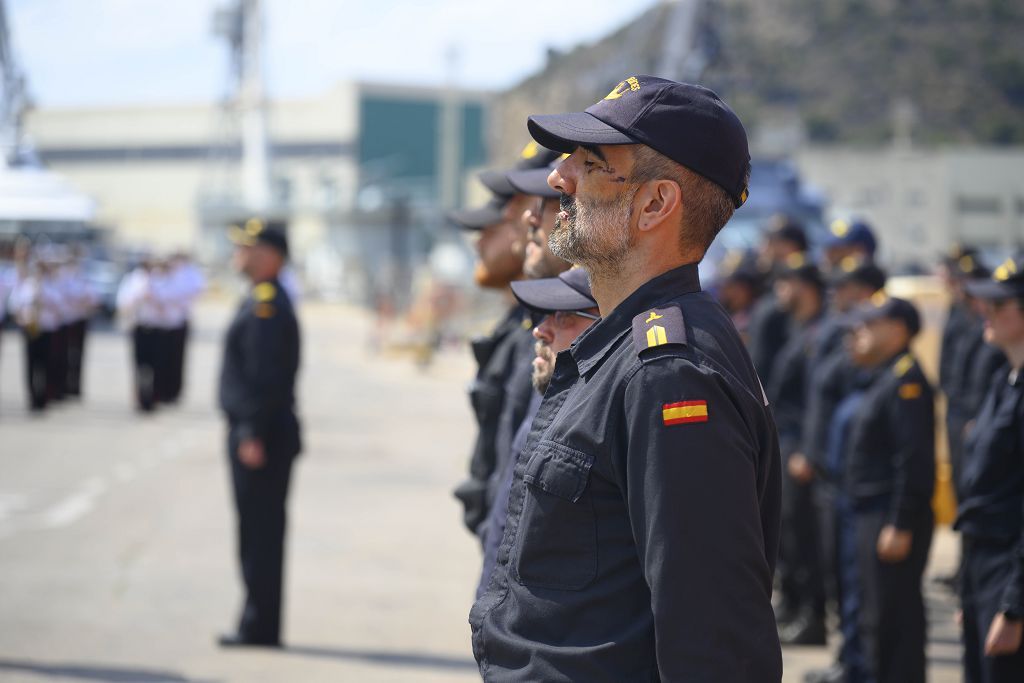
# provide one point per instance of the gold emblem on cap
(839, 228)
(966, 264)
(1004, 271)
(849, 264)
(879, 298)
(621, 89)
(531, 150)
(254, 226)
(796, 260)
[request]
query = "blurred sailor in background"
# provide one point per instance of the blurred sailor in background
(501, 391)
(889, 478)
(82, 300)
(257, 396)
(140, 310)
(35, 304)
(990, 489)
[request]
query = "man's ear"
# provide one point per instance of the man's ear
(657, 200)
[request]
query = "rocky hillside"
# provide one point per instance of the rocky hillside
(833, 71)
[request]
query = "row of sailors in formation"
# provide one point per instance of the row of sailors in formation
(48, 294)
(44, 293)
(160, 293)
(154, 302)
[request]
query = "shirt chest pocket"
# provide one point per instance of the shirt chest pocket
(557, 539)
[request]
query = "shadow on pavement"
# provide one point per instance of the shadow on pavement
(408, 659)
(92, 672)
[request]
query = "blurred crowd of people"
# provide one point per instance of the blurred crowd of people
(45, 289)
(154, 303)
(856, 421)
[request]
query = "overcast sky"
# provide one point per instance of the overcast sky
(91, 52)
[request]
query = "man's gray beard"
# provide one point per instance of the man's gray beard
(596, 236)
(541, 377)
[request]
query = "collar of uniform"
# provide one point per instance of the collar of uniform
(593, 345)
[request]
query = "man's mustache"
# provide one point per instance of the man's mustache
(568, 204)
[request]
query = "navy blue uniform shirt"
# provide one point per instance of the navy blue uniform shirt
(643, 518)
(261, 360)
(890, 461)
(991, 489)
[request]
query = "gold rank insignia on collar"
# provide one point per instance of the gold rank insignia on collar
(265, 291)
(903, 365)
(657, 327)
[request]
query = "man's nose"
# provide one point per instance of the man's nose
(563, 176)
(543, 332)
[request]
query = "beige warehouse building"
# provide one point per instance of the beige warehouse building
(157, 171)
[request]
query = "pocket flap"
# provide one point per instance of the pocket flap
(559, 470)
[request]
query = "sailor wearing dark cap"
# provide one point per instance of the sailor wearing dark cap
(991, 494)
(800, 292)
(737, 287)
(643, 515)
(849, 238)
(889, 478)
(784, 236)
(540, 220)
(834, 385)
(257, 395)
(564, 307)
(966, 360)
(500, 392)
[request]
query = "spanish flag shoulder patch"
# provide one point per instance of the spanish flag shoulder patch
(657, 327)
(910, 391)
(684, 412)
(264, 310)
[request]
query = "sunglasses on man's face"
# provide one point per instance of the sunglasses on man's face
(564, 318)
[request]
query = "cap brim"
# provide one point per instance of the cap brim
(533, 182)
(550, 294)
(565, 132)
(478, 218)
(497, 182)
(989, 289)
(240, 237)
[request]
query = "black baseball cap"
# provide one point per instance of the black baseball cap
(534, 181)
(881, 306)
(783, 227)
(964, 263)
(689, 124)
(1007, 282)
(570, 291)
(533, 156)
(853, 270)
(479, 217)
(260, 231)
(739, 266)
(798, 267)
(843, 234)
